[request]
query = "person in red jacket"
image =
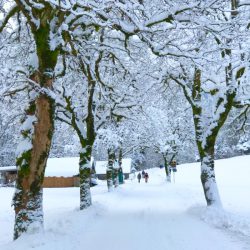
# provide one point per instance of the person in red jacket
(146, 177)
(143, 173)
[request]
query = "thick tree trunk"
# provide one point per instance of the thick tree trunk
(85, 175)
(37, 133)
(208, 180)
(38, 127)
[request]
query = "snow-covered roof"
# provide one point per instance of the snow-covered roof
(101, 166)
(69, 166)
(7, 168)
(65, 167)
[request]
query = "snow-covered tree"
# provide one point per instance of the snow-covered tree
(168, 130)
(212, 91)
(202, 51)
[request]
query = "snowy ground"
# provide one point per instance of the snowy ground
(152, 216)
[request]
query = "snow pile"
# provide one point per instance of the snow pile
(223, 220)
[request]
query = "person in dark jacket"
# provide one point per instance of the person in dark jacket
(146, 176)
(139, 177)
(143, 173)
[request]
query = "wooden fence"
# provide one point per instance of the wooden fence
(51, 182)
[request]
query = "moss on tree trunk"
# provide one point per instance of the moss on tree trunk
(31, 162)
(209, 182)
(87, 145)
(31, 165)
(85, 174)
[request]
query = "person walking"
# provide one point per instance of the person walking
(139, 177)
(143, 173)
(146, 176)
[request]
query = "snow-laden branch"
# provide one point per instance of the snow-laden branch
(14, 10)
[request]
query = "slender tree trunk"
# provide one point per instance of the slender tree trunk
(167, 170)
(31, 161)
(120, 171)
(111, 159)
(87, 145)
(120, 157)
(116, 180)
(116, 168)
(85, 175)
(109, 179)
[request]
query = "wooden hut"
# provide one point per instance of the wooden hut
(60, 172)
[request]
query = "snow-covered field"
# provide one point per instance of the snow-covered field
(152, 216)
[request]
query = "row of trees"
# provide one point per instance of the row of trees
(132, 74)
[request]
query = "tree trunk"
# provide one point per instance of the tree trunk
(38, 129)
(117, 166)
(87, 145)
(116, 180)
(111, 159)
(109, 179)
(167, 170)
(208, 179)
(85, 175)
(120, 157)
(37, 134)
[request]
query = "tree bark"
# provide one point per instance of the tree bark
(118, 168)
(115, 176)
(167, 170)
(38, 128)
(85, 175)
(87, 145)
(111, 159)
(37, 133)
(120, 157)
(208, 180)
(86, 141)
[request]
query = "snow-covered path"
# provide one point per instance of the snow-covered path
(146, 220)
(153, 216)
